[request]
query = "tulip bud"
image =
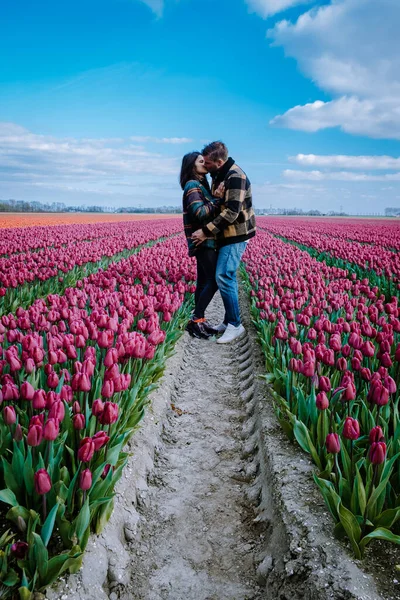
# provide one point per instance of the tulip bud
(34, 436)
(42, 482)
(66, 393)
(350, 392)
(351, 429)
(21, 524)
(29, 365)
(76, 407)
(377, 453)
(53, 380)
(97, 407)
(346, 350)
(111, 357)
(51, 429)
(368, 349)
(390, 384)
(27, 391)
(380, 395)
(324, 384)
(332, 443)
(39, 400)
(308, 369)
(57, 411)
(79, 421)
(9, 415)
(109, 414)
(322, 401)
(100, 439)
(19, 550)
(86, 449)
(85, 480)
(107, 390)
(105, 471)
(386, 361)
(376, 435)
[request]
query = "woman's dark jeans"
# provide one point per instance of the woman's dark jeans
(206, 284)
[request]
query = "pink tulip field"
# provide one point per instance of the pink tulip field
(89, 313)
(324, 300)
(76, 367)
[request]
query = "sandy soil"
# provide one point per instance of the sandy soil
(198, 540)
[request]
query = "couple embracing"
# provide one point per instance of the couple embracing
(218, 221)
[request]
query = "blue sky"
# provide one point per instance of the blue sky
(99, 100)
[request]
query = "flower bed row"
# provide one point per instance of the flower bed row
(27, 276)
(332, 349)
(381, 264)
(75, 372)
(31, 239)
(378, 233)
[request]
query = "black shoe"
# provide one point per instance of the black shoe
(197, 330)
(210, 329)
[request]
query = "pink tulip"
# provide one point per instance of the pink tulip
(85, 480)
(42, 482)
(351, 429)
(332, 443)
(322, 401)
(51, 429)
(9, 415)
(100, 439)
(109, 414)
(79, 421)
(86, 450)
(377, 453)
(34, 436)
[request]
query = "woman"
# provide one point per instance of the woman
(199, 207)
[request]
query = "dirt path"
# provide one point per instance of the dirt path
(197, 536)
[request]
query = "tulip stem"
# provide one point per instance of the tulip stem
(351, 463)
(44, 507)
(335, 469)
(49, 451)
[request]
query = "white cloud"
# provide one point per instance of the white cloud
(267, 8)
(350, 49)
(67, 163)
(157, 6)
(173, 140)
(347, 162)
(338, 176)
(374, 118)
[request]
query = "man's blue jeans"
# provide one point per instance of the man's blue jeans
(228, 262)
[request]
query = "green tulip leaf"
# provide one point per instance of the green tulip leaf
(8, 497)
(41, 556)
(303, 439)
(11, 578)
(379, 534)
(351, 527)
(82, 521)
(48, 525)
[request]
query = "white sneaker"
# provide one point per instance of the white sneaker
(231, 334)
(220, 328)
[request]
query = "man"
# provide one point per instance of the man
(233, 227)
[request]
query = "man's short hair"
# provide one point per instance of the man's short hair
(216, 151)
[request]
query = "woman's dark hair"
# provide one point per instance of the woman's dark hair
(187, 170)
